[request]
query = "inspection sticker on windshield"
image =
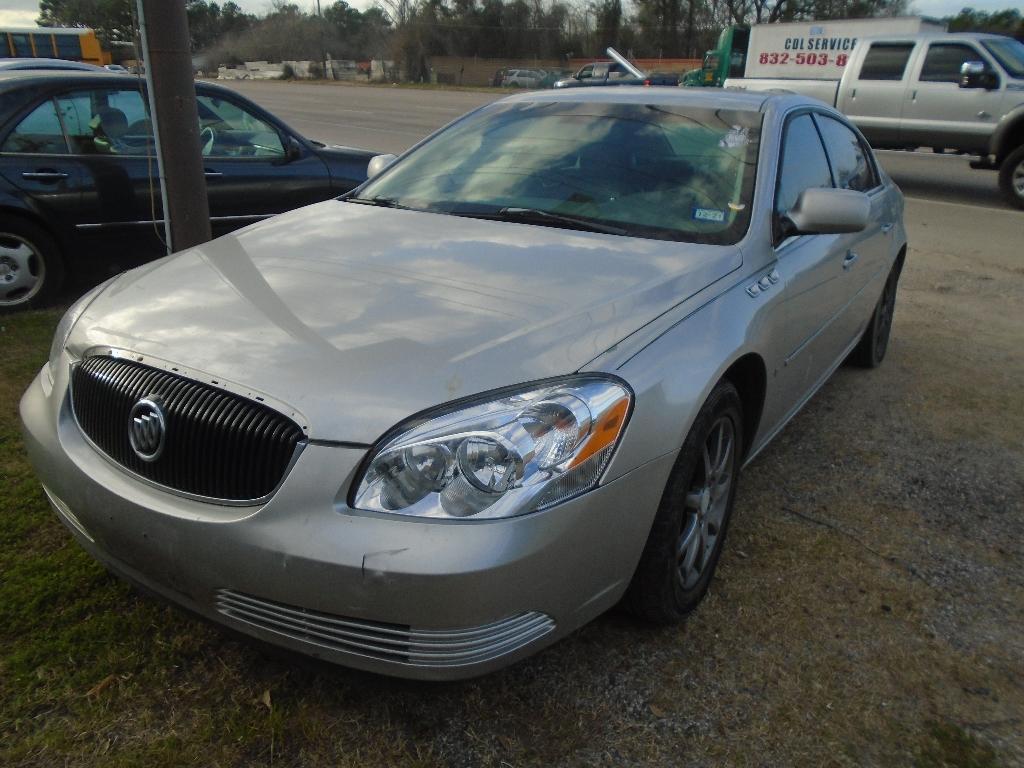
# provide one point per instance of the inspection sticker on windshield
(736, 137)
(708, 214)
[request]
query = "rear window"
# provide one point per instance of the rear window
(886, 61)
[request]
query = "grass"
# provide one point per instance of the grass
(866, 612)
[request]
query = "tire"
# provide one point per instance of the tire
(1011, 177)
(870, 350)
(665, 588)
(31, 269)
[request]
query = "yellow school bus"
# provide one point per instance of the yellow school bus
(73, 43)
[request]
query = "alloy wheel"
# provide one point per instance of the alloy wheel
(22, 270)
(706, 504)
(883, 323)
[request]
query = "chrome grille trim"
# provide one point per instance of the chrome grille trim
(228, 449)
(395, 643)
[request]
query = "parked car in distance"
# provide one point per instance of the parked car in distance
(595, 73)
(552, 76)
(431, 427)
(79, 192)
(958, 91)
(523, 78)
(11, 65)
(613, 73)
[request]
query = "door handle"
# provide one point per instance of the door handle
(44, 175)
(212, 174)
(851, 257)
(887, 227)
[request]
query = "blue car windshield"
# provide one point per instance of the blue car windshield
(647, 170)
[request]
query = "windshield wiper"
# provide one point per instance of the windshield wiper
(380, 202)
(538, 216)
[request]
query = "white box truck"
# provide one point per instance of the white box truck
(805, 50)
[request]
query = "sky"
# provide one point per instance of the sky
(24, 12)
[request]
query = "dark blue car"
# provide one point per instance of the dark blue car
(79, 190)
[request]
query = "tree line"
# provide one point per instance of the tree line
(411, 31)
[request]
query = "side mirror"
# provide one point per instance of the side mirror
(826, 211)
(292, 149)
(974, 74)
(378, 164)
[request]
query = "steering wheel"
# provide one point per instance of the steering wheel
(207, 137)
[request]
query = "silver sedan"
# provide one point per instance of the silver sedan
(508, 383)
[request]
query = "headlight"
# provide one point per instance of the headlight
(514, 454)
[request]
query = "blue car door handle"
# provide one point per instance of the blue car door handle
(44, 175)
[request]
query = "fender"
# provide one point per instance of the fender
(12, 204)
(1009, 133)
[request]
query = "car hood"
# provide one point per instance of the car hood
(357, 317)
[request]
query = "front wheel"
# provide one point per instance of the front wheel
(689, 528)
(1011, 177)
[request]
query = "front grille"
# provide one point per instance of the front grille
(387, 642)
(217, 444)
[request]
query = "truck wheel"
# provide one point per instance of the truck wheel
(31, 270)
(1011, 177)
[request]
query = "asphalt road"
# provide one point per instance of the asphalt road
(391, 119)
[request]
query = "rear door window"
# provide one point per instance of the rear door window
(106, 122)
(39, 133)
(886, 61)
(851, 163)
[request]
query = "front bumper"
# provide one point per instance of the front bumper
(414, 598)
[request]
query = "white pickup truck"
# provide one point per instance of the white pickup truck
(946, 91)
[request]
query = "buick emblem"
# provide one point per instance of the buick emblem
(147, 428)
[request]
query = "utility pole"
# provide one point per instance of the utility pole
(163, 27)
(323, 53)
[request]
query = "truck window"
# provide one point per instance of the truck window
(943, 62)
(850, 162)
(804, 164)
(1010, 53)
(886, 61)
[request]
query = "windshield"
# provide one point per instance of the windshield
(1010, 54)
(656, 171)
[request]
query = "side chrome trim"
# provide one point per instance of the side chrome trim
(66, 514)
(805, 399)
